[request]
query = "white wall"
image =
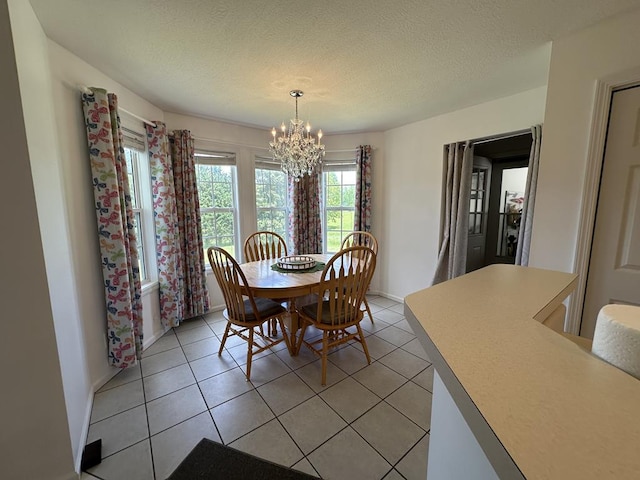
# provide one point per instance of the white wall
(577, 61)
(34, 437)
(49, 78)
(412, 182)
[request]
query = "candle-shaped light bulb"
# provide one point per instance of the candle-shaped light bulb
(308, 127)
(283, 127)
(273, 132)
(319, 136)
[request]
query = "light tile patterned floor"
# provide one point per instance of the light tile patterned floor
(370, 421)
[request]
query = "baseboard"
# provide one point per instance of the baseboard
(392, 297)
(217, 308)
(67, 476)
(147, 342)
(97, 385)
(386, 295)
(85, 429)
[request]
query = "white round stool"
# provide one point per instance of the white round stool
(617, 337)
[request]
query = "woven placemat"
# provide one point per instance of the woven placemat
(318, 267)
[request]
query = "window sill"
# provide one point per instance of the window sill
(149, 287)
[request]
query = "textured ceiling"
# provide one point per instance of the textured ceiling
(364, 65)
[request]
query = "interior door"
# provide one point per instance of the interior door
(614, 268)
(478, 213)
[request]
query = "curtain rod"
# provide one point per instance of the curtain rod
(517, 133)
(88, 91)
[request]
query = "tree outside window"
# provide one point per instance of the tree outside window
(271, 201)
(217, 193)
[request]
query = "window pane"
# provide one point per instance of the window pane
(339, 204)
(334, 239)
(349, 196)
(347, 220)
(334, 196)
(216, 192)
(131, 156)
(332, 178)
(280, 222)
(271, 201)
(262, 195)
(222, 195)
(333, 220)
(132, 160)
(349, 178)
(138, 232)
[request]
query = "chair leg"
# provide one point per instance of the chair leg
(366, 305)
(249, 353)
(301, 338)
(224, 338)
(364, 343)
(325, 352)
(285, 336)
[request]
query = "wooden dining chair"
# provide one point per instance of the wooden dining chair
(263, 246)
(366, 239)
(337, 313)
(245, 314)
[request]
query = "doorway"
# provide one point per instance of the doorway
(614, 265)
(497, 196)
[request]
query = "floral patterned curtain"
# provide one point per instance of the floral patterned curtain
(116, 234)
(165, 214)
(196, 296)
(305, 222)
(362, 219)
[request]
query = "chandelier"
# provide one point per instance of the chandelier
(297, 150)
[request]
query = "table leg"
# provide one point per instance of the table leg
(293, 324)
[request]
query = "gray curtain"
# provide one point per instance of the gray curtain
(452, 256)
(362, 217)
(526, 220)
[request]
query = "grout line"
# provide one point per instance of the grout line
(294, 370)
(146, 413)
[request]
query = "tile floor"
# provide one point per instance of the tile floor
(369, 422)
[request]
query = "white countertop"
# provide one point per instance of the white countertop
(553, 408)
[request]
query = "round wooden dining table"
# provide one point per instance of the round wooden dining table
(263, 281)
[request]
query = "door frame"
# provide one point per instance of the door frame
(591, 187)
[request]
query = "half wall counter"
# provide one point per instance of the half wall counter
(513, 398)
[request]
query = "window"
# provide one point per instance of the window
(140, 190)
(271, 197)
(478, 202)
(339, 196)
(216, 179)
